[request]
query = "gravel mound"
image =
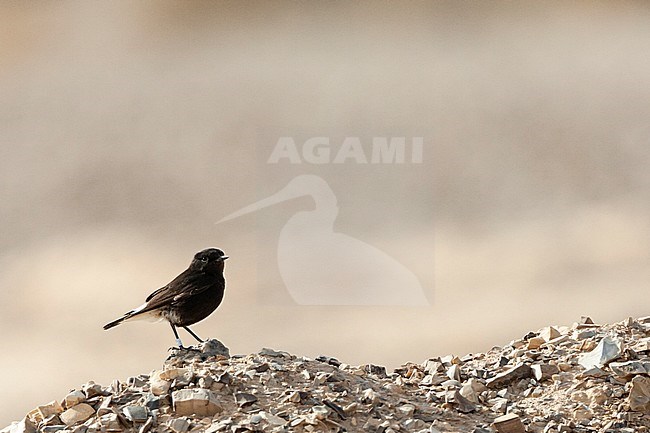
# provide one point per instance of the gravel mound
(582, 378)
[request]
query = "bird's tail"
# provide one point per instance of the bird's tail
(115, 322)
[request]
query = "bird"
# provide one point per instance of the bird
(189, 298)
(320, 266)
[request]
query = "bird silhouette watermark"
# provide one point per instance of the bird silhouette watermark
(320, 266)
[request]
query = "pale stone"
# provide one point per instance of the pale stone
(549, 333)
(41, 412)
(454, 372)
(640, 394)
(596, 396)
(471, 389)
(179, 425)
(406, 409)
(520, 371)
(320, 412)
(273, 419)
(135, 413)
(630, 368)
(582, 413)
(509, 423)
(608, 349)
(195, 401)
(535, 343)
(73, 398)
(77, 414)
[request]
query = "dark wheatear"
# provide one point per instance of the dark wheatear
(188, 298)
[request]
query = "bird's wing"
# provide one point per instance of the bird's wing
(186, 285)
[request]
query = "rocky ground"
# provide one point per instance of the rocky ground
(582, 378)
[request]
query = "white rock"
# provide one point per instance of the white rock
(608, 349)
(549, 333)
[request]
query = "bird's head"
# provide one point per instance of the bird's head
(210, 259)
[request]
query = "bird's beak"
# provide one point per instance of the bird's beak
(287, 193)
(222, 258)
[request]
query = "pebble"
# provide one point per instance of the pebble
(195, 401)
(77, 414)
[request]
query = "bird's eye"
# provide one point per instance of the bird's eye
(204, 259)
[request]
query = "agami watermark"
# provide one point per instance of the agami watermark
(321, 150)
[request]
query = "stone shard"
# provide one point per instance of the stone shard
(245, 399)
(544, 371)
(549, 333)
(77, 414)
(135, 413)
(509, 423)
(471, 390)
(73, 398)
(454, 372)
(462, 404)
(208, 349)
(44, 411)
(607, 350)
(535, 343)
(630, 368)
(195, 401)
(519, 371)
(640, 394)
(179, 425)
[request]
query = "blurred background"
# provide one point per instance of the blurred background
(128, 129)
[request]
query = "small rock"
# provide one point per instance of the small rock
(549, 333)
(320, 412)
(414, 424)
(273, 419)
(544, 371)
(73, 398)
(77, 414)
(179, 425)
(520, 371)
(110, 423)
(195, 401)
(91, 389)
(369, 396)
(499, 405)
(535, 343)
(42, 412)
(245, 399)
(596, 396)
(640, 394)
(214, 347)
(606, 351)
(274, 353)
(630, 368)
(454, 372)
(406, 410)
(594, 372)
(461, 404)
(582, 413)
(135, 413)
(471, 389)
(509, 423)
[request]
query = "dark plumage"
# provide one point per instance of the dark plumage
(188, 298)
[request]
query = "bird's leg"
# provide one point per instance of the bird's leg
(178, 340)
(193, 334)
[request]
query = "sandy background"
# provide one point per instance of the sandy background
(127, 129)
